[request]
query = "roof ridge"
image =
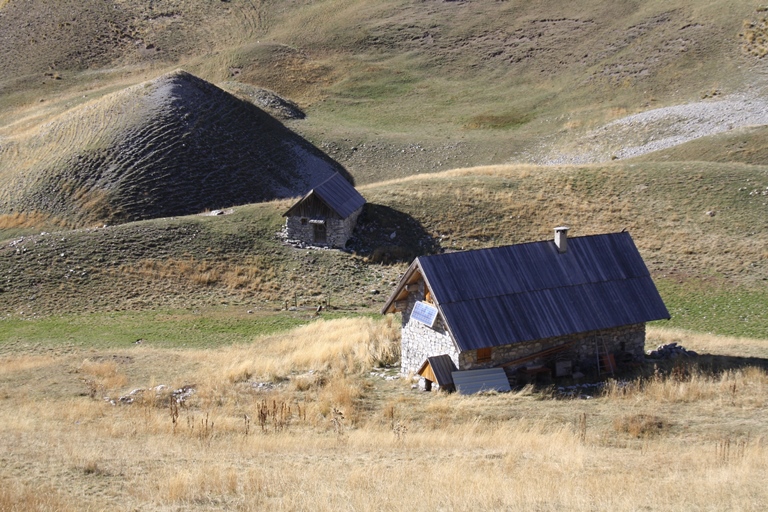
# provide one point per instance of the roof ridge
(521, 244)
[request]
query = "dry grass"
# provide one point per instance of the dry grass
(755, 37)
(250, 275)
(323, 434)
(336, 347)
(102, 377)
(18, 497)
(23, 220)
(707, 343)
(689, 384)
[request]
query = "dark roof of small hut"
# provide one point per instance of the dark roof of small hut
(442, 366)
(337, 194)
(492, 297)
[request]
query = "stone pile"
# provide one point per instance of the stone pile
(179, 395)
(671, 351)
(583, 391)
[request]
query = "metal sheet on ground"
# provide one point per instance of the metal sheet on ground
(469, 382)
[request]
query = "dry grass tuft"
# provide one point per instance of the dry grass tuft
(755, 37)
(640, 425)
(18, 497)
(26, 220)
(337, 347)
(102, 376)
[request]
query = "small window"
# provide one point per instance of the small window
(484, 355)
(303, 221)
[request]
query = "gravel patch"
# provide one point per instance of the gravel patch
(658, 129)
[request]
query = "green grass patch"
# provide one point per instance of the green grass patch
(498, 122)
(375, 82)
(698, 306)
(164, 329)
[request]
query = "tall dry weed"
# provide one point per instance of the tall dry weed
(746, 387)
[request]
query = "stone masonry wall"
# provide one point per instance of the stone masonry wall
(628, 339)
(337, 231)
(420, 341)
(340, 230)
(298, 231)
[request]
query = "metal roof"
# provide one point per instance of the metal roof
(442, 367)
(516, 293)
(338, 194)
(469, 382)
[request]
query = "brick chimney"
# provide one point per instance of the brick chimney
(561, 239)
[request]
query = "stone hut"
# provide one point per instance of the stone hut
(326, 215)
(563, 305)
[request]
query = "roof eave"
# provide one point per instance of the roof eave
(297, 203)
(318, 196)
(436, 302)
(390, 303)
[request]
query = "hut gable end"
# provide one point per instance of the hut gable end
(312, 207)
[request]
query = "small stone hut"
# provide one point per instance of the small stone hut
(326, 215)
(583, 299)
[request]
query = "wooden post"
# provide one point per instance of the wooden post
(296, 300)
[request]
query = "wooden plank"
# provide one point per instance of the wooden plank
(428, 374)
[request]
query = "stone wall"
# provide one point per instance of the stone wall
(625, 341)
(340, 230)
(337, 231)
(298, 231)
(420, 341)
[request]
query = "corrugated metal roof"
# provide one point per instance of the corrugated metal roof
(338, 194)
(503, 295)
(469, 382)
(442, 367)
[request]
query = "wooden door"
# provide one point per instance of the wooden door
(320, 235)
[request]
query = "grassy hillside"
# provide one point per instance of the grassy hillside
(397, 88)
(699, 227)
(747, 146)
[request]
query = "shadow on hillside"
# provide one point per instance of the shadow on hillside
(385, 235)
(708, 364)
(276, 128)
